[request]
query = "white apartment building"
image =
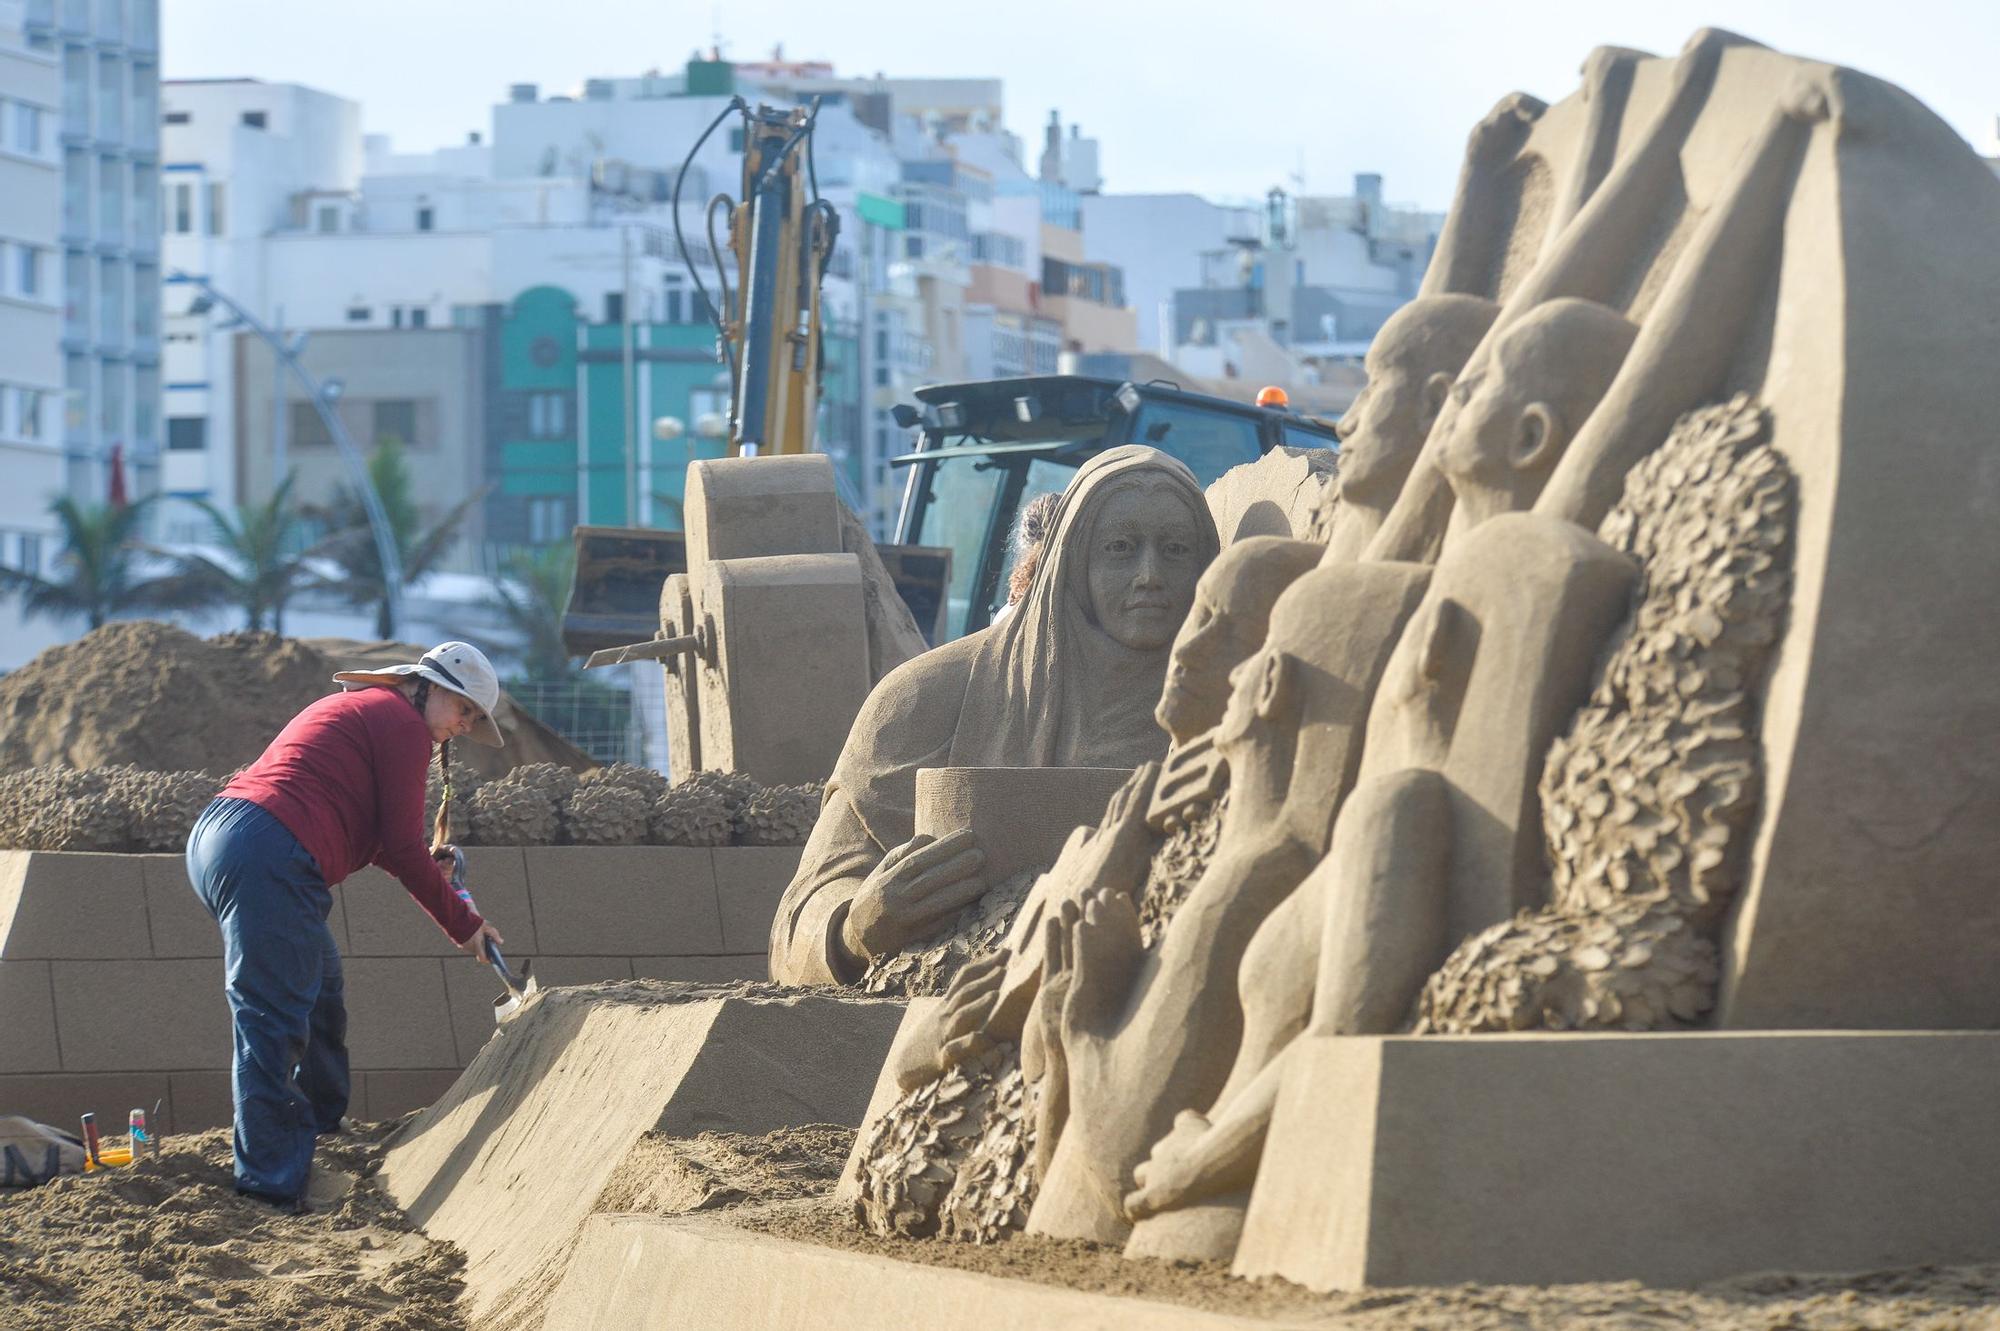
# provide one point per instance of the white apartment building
(108, 131)
(32, 473)
(1159, 240)
(240, 159)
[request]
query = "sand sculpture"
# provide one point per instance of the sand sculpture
(953, 1154)
(1630, 694)
(1064, 681)
(1411, 366)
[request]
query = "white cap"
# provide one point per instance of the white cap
(458, 666)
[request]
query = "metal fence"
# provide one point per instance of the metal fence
(619, 719)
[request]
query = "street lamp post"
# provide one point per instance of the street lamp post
(322, 396)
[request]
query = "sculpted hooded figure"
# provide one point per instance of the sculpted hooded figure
(1069, 679)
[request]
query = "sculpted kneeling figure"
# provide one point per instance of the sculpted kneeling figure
(1068, 680)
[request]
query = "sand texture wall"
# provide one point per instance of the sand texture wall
(111, 970)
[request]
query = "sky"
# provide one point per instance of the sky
(1224, 98)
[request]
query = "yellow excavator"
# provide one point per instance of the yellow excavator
(773, 613)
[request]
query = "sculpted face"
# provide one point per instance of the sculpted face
(1145, 555)
(1252, 688)
(1232, 607)
(1513, 412)
(1383, 430)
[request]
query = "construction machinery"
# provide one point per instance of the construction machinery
(773, 613)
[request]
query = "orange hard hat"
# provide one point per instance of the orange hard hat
(1273, 396)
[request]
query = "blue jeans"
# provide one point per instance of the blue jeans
(281, 973)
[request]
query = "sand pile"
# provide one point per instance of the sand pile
(153, 696)
(667, 1175)
(145, 694)
(168, 1242)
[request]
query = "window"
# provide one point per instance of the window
(395, 418)
(254, 119)
(111, 404)
(27, 129)
(28, 413)
(218, 210)
(183, 209)
(145, 206)
(359, 314)
(110, 303)
(145, 406)
(177, 117)
(548, 519)
(548, 416)
(395, 316)
(675, 303)
(614, 307)
(76, 194)
(28, 271)
(328, 218)
(419, 317)
(76, 399)
(305, 427)
(736, 140)
(188, 434)
(29, 553)
(424, 217)
(1210, 442)
(110, 199)
(110, 100)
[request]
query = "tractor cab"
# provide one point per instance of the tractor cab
(986, 449)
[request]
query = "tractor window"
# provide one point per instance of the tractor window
(1210, 442)
(958, 513)
(1297, 438)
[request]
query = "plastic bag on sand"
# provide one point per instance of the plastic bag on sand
(32, 1153)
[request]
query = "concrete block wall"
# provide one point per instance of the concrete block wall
(111, 969)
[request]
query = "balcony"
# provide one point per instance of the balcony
(74, 18)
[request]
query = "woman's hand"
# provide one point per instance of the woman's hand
(475, 946)
(917, 887)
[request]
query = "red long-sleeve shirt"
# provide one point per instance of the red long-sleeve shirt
(346, 777)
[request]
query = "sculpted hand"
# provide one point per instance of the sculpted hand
(954, 1028)
(1113, 856)
(917, 887)
(1169, 1176)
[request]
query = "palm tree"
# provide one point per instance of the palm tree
(352, 542)
(531, 594)
(264, 570)
(96, 573)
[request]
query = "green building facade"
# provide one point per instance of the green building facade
(558, 413)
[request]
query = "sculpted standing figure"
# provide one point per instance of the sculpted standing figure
(1068, 680)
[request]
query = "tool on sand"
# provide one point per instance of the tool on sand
(519, 985)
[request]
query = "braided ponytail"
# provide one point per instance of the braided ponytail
(441, 830)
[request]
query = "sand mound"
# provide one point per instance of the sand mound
(153, 696)
(511, 1161)
(667, 1175)
(169, 1243)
